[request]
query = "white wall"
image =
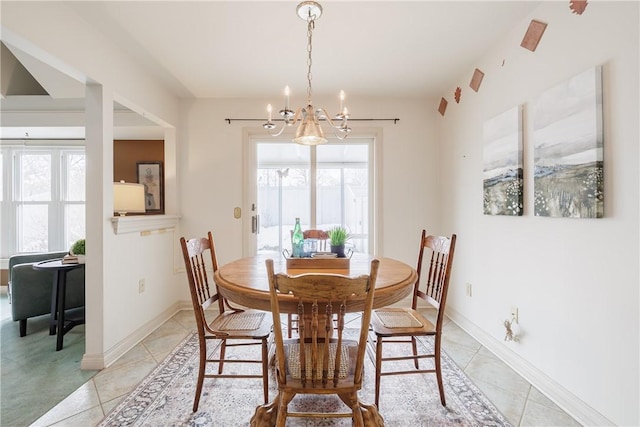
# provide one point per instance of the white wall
(575, 281)
(128, 309)
(211, 169)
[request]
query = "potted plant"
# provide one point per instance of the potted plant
(78, 249)
(338, 236)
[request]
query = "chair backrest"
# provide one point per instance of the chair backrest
(433, 286)
(320, 235)
(203, 292)
(320, 297)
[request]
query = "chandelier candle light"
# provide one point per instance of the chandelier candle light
(309, 132)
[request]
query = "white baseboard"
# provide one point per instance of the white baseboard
(571, 404)
(101, 361)
(92, 362)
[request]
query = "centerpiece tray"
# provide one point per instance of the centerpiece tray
(318, 261)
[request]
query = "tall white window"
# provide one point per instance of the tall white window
(43, 198)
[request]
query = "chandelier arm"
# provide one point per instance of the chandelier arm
(284, 125)
(293, 120)
(287, 121)
(344, 135)
(322, 113)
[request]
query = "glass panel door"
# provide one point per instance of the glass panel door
(324, 186)
(283, 176)
(343, 191)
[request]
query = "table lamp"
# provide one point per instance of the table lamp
(128, 198)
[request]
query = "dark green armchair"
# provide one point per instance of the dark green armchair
(30, 290)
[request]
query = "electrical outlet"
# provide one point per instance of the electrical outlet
(469, 290)
(514, 314)
(141, 286)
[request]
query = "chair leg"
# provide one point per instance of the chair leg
(223, 348)
(289, 324)
(201, 371)
(265, 370)
(23, 327)
(285, 398)
(378, 368)
(351, 400)
(414, 345)
(439, 371)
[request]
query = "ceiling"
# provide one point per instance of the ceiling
(252, 49)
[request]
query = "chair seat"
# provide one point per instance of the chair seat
(243, 324)
(400, 322)
(348, 352)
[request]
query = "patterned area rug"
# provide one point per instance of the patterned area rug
(165, 397)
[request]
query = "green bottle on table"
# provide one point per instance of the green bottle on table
(297, 240)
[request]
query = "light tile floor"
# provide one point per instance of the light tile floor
(521, 403)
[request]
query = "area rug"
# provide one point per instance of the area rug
(165, 397)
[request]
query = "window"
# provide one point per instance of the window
(325, 186)
(43, 198)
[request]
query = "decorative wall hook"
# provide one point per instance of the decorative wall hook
(512, 330)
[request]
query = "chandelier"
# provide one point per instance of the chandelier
(309, 131)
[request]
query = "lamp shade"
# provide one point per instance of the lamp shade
(309, 132)
(128, 197)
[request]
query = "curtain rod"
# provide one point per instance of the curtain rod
(395, 121)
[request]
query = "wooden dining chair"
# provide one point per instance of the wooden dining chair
(232, 326)
(321, 360)
(322, 237)
(403, 325)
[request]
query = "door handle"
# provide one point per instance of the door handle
(255, 224)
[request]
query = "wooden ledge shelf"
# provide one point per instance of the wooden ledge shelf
(144, 224)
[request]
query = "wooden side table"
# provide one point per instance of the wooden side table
(58, 299)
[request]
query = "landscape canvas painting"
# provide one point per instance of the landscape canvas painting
(502, 164)
(568, 148)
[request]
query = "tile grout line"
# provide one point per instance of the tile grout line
(524, 408)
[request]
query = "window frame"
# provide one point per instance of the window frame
(56, 205)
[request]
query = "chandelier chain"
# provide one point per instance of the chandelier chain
(310, 26)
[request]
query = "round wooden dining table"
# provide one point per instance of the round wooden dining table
(245, 281)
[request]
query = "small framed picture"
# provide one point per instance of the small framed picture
(151, 176)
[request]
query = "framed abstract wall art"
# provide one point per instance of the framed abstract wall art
(502, 164)
(568, 148)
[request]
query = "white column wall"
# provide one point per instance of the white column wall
(575, 281)
(99, 177)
